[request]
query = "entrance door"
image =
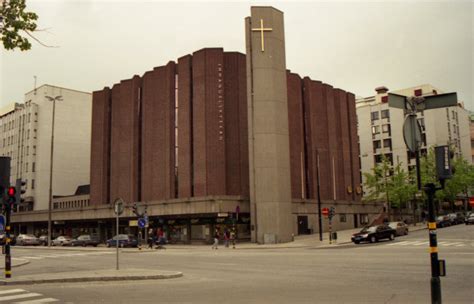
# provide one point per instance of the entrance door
(302, 224)
(356, 225)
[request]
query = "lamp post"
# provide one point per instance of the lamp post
(53, 99)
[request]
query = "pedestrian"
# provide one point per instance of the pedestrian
(226, 237)
(233, 236)
(216, 239)
(151, 238)
(161, 239)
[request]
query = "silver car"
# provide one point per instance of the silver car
(62, 241)
(27, 239)
(400, 227)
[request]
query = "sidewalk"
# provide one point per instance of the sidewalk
(92, 276)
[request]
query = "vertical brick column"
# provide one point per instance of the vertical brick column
(354, 144)
(185, 147)
(158, 127)
(346, 146)
(209, 123)
(296, 131)
(100, 147)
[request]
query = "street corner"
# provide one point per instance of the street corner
(93, 276)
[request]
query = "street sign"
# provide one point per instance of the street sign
(412, 133)
(397, 101)
(141, 223)
(132, 223)
(440, 101)
(2, 224)
(118, 206)
(325, 211)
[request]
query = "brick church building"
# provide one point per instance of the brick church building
(176, 139)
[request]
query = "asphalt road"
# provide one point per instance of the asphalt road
(386, 272)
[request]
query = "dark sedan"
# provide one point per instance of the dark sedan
(373, 234)
(85, 240)
(124, 240)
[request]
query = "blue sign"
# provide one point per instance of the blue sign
(141, 223)
(2, 224)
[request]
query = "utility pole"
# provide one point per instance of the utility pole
(50, 203)
(412, 137)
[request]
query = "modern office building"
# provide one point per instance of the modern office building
(380, 128)
(26, 136)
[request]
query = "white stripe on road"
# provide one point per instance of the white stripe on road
(11, 291)
(20, 296)
(420, 243)
(399, 243)
(31, 258)
(45, 300)
(460, 245)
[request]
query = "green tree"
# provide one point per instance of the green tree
(461, 182)
(402, 188)
(15, 21)
(377, 182)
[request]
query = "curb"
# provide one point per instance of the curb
(92, 279)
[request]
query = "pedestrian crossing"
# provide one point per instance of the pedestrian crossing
(22, 296)
(64, 255)
(426, 243)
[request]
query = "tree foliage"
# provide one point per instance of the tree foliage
(15, 21)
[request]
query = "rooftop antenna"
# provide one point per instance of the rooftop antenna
(35, 83)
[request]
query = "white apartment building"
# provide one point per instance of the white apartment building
(25, 136)
(380, 128)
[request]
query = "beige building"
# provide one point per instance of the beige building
(380, 128)
(26, 137)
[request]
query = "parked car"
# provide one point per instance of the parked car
(27, 239)
(456, 218)
(443, 221)
(43, 239)
(469, 219)
(62, 241)
(85, 240)
(400, 227)
(124, 240)
(373, 234)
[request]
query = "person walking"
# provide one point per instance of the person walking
(233, 236)
(227, 237)
(161, 239)
(216, 239)
(151, 238)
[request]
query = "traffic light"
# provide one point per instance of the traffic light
(19, 190)
(11, 195)
(332, 212)
(443, 156)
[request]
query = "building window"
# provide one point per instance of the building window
(387, 143)
(374, 115)
(418, 92)
(385, 113)
(32, 184)
(377, 145)
(342, 218)
(375, 130)
(26, 167)
(29, 116)
(33, 167)
(386, 128)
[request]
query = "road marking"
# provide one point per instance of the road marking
(399, 243)
(418, 243)
(45, 300)
(11, 291)
(31, 258)
(20, 296)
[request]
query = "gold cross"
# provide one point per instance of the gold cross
(261, 30)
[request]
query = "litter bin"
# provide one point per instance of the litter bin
(334, 236)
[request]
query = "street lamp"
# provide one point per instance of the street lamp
(53, 99)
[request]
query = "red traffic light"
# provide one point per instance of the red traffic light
(11, 191)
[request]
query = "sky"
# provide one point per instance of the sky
(353, 45)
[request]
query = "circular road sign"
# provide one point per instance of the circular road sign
(118, 206)
(412, 133)
(325, 211)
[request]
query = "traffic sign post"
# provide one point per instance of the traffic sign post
(412, 136)
(325, 211)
